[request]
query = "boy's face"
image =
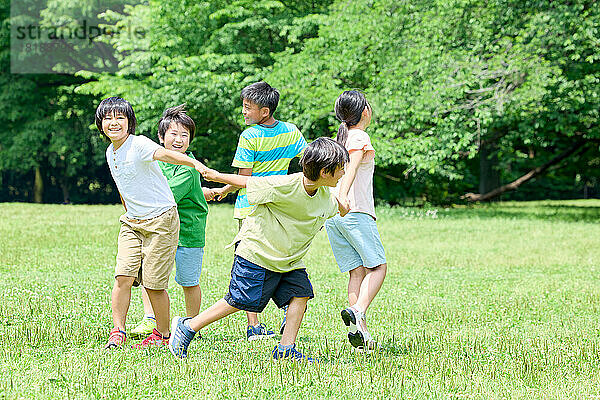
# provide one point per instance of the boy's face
(328, 179)
(177, 138)
(115, 126)
(253, 113)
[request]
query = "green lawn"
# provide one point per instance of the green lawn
(500, 301)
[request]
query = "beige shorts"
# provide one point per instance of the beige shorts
(146, 249)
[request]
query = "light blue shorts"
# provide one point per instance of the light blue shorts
(355, 241)
(188, 265)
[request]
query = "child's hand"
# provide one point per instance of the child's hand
(209, 174)
(209, 194)
(220, 194)
(200, 167)
(343, 205)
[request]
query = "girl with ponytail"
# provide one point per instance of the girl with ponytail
(354, 238)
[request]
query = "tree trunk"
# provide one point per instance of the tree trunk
(38, 186)
(528, 176)
(489, 177)
(65, 191)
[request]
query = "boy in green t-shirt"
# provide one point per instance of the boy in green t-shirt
(175, 131)
(290, 210)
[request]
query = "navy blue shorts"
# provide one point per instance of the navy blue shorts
(252, 286)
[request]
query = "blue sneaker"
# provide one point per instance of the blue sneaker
(181, 337)
(258, 332)
(281, 329)
(291, 354)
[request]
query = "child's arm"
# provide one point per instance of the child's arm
(348, 178)
(230, 179)
(343, 206)
(209, 194)
(173, 157)
(221, 193)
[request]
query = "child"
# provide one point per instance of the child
(264, 149)
(150, 225)
(175, 131)
(354, 238)
(290, 210)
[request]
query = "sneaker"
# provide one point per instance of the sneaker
(181, 337)
(291, 354)
(153, 340)
(116, 339)
(143, 328)
(258, 332)
(282, 327)
(358, 336)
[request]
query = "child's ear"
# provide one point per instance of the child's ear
(265, 112)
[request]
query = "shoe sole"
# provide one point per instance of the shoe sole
(357, 340)
(138, 336)
(174, 324)
(260, 337)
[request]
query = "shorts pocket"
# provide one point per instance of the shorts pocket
(246, 284)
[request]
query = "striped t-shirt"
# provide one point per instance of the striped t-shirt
(268, 150)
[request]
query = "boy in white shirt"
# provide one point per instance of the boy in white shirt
(150, 226)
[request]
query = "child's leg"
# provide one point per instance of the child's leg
(193, 298)
(370, 286)
(252, 318)
(160, 304)
(356, 277)
(146, 301)
(214, 313)
(295, 313)
(121, 296)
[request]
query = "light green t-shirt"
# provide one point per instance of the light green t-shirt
(278, 232)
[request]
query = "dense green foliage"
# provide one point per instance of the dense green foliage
(467, 94)
(513, 314)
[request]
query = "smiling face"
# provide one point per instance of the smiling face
(115, 127)
(253, 113)
(177, 138)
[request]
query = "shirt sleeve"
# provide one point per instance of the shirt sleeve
(300, 143)
(360, 140)
(146, 148)
(182, 182)
(245, 154)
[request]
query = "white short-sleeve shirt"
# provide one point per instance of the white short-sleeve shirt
(140, 181)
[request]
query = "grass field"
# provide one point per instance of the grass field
(501, 301)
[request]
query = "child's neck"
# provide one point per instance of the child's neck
(310, 187)
(269, 121)
(361, 125)
(118, 143)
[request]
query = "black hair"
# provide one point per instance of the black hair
(262, 94)
(348, 109)
(323, 153)
(176, 114)
(116, 105)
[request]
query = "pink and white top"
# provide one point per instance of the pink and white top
(360, 194)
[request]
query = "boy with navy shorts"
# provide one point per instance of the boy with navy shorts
(264, 149)
(290, 210)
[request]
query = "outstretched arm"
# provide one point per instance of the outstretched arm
(173, 157)
(230, 179)
(348, 178)
(221, 193)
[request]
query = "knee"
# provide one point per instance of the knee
(124, 282)
(382, 269)
(358, 273)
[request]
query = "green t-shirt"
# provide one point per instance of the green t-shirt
(278, 232)
(185, 184)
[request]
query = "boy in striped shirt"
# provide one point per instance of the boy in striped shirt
(264, 149)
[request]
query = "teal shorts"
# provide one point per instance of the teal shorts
(355, 241)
